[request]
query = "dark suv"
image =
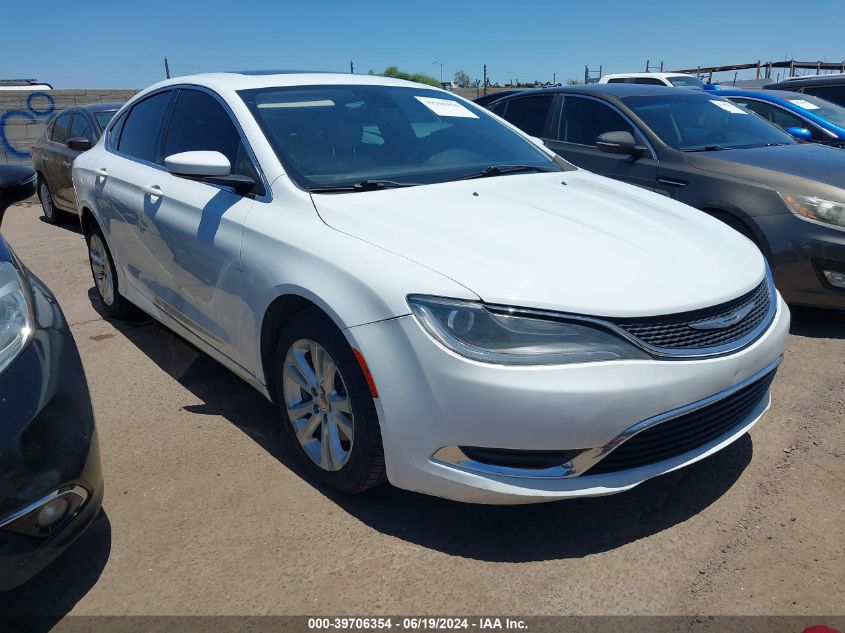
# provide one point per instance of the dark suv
(69, 133)
(830, 87)
(714, 155)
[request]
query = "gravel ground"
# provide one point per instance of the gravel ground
(206, 512)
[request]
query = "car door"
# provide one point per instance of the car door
(80, 127)
(54, 157)
(129, 165)
(577, 122)
(192, 229)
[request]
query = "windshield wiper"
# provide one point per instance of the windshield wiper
(501, 170)
(707, 148)
(364, 185)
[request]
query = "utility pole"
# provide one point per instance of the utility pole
(485, 78)
(554, 79)
(166, 68)
(441, 71)
(351, 68)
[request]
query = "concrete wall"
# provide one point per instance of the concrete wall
(23, 116)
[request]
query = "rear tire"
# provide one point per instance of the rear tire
(104, 275)
(51, 214)
(326, 406)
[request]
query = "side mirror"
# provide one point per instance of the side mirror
(618, 143)
(79, 143)
(801, 133)
(207, 166)
(16, 184)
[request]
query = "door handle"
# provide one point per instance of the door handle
(101, 171)
(152, 190)
(66, 164)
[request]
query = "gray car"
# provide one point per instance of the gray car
(68, 134)
(703, 150)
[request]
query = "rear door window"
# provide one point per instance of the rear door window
(61, 128)
(650, 81)
(529, 113)
(142, 127)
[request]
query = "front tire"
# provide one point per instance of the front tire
(327, 409)
(104, 275)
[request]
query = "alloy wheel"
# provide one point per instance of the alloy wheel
(318, 404)
(101, 269)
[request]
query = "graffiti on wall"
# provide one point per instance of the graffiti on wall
(39, 108)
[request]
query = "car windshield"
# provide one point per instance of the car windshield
(342, 136)
(103, 117)
(827, 110)
(692, 121)
(685, 82)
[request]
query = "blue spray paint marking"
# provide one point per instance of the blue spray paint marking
(31, 114)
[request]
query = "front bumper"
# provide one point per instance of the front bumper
(48, 446)
(800, 252)
(430, 398)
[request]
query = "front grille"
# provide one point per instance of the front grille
(673, 332)
(686, 432)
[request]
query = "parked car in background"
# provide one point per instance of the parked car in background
(830, 87)
(490, 97)
(426, 293)
(708, 152)
(51, 485)
(67, 135)
(805, 117)
(672, 80)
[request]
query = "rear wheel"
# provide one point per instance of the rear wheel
(105, 278)
(326, 405)
(51, 214)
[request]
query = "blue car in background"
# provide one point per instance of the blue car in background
(806, 117)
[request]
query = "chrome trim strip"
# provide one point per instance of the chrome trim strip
(454, 457)
(79, 491)
(659, 352)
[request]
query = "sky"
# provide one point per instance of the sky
(122, 44)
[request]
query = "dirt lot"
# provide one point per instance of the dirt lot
(207, 513)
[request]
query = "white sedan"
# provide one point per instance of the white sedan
(428, 295)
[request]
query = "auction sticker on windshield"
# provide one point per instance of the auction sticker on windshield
(728, 107)
(803, 103)
(446, 107)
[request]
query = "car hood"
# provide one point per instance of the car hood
(568, 241)
(778, 166)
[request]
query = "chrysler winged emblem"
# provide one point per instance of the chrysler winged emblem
(719, 322)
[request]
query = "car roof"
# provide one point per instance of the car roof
(833, 79)
(251, 79)
(657, 75)
(617, 90)
(102, 106)
(815, 77)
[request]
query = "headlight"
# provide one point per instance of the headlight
(473, 331)
(15, 315)
(816, 209)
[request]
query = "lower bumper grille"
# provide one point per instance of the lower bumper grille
(687, 432)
